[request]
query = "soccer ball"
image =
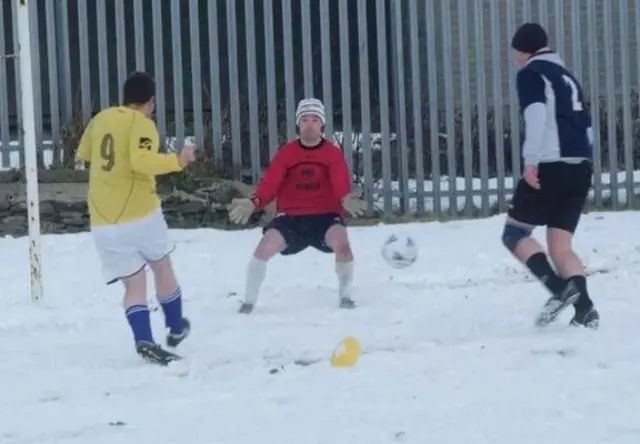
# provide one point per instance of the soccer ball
(399, 251)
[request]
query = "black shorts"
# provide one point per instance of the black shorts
(300, 232)
(559, 201)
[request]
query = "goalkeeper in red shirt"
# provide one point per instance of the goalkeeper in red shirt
(309, 180)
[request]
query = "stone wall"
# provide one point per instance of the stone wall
(63, 207)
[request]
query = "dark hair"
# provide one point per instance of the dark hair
(138, 89)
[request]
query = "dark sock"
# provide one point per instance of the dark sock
(584, 302)
(140, 321)
(172, 308)
(539, 265)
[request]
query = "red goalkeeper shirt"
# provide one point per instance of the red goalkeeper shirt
(305, 180)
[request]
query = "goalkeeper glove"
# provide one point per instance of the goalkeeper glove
(354, 206)
(241, 210)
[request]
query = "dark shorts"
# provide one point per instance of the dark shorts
(559, 201)
(300, 232)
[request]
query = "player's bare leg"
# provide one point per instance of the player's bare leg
(169, 296)
(517, 239)
(337, 239)
(138, 315)
(271, 244)
(571, 267)
(561, 251)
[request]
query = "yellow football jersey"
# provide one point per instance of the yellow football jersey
(122, 145)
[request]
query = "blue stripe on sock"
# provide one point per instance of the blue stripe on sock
(140, 322)
(172, 308)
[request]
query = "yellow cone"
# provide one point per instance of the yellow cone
(347, 353)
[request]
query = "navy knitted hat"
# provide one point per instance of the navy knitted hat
(530, 38)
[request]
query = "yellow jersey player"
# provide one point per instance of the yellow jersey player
(129, 230)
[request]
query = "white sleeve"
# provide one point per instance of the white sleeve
(535, 119)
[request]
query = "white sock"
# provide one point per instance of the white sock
(344, 270)
(256, 273)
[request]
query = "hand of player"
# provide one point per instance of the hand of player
(187, 155)
(531, 176)
(241, 210)
(354, 206)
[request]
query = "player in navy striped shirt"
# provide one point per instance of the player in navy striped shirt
(557, 153)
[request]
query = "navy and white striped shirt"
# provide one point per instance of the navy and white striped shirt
(557, 121)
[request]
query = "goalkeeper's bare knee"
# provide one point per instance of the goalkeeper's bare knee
(336, 238)
(271, 244)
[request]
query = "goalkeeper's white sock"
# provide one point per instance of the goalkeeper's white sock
(344, 270)
(256, 273)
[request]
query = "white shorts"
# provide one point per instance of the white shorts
(125, 249)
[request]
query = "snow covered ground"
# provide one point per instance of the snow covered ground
(450, 352)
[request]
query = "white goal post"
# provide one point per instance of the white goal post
(30, 154)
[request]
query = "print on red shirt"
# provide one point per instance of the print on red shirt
(305, 180)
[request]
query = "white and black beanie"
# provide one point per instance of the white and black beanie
(310, 107)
